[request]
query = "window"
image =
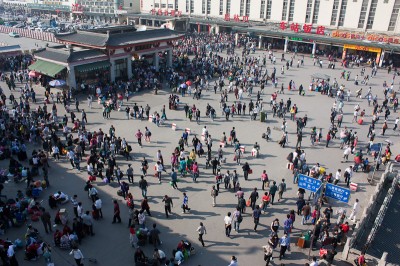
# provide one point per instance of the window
(156, 5)
(130, 4)
(371, 14)
(262, 9)
(208, 7)
(176, 5)
(363, 13)
(342, 13)
(241, 7)
(248, 8)
(335, 10)
(316, 12)
(395, 14)
(191, 6)
(170, 6)
(291, 10)
(221, 7)
(284, 9)
(385, 1)
(228, 7)
(187, 6)
(203, 6)
(163, 5)
(269, 3)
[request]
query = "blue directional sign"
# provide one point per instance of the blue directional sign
(338, 193)
(309, 183)
(376, 147)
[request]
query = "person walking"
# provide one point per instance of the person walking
(284, 244)
(144, 205)
(98, 205)
(185, 203)
(78, 256)
(272, 191)
(256, 217)
(264, 179)
(116, 213)
(129, 173)
(253, 198)
(202, 231)
(139, 136)
(228, 224)
(281, 189)
(143, 186)
(268, 250)
(174, 178)
(167, 205)
(237, 219)
(354, 211)
(214, 195)
(46, 220)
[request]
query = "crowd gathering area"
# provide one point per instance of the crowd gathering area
(197, 164)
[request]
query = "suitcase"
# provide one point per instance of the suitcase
(301, 243)
(290, 166)
(360, 121)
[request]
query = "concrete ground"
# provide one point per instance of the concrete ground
(110, 245)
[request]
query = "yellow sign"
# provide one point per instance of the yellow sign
(362, 48)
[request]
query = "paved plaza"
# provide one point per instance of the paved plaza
(110, 245)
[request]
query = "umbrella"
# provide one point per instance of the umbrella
(33, 74)
(189, 83)
(57, 83)
(320, 76)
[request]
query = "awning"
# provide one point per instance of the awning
(46, 68)
(93, 66)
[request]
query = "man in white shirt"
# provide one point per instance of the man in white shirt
(338, 175)
(71, 156)
(354, 211)
(98, 204)
(395, 123)
(346, 153)
(348, 174)
(228, 224)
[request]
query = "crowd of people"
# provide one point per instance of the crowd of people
(202, 62)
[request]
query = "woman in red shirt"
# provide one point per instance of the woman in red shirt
(265, 201)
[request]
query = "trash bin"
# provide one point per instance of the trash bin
(263, 116)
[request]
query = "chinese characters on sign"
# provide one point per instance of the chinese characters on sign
(309, 183)
(172, 13)
(236, 18)
(338, 193)
(365, 36)
(307, 28)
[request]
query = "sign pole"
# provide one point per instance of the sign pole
(319, 207)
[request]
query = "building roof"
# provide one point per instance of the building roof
(122, 38)
(68, 56)
(10, 48)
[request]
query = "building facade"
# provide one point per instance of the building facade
(361, 15)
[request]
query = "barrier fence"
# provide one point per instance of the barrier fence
(43, 36)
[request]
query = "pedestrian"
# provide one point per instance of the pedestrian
(214, 195)
(233, 261)
(272, 191)
(253, 198)
(139, 136)
(202, 231)
(284, 244)
(264, 179)
(174, 179)
(228, 224)
(256, 217)
(237, 219)
(46, 220)
(338, 175)
(129, 173)
(98, 205)
(354, 211)
(117, 216)
(143, 186)
(246, 170)
(145, 206)
(75, 205)
(87, 221)
(268, 250)
(306, 210)
(167, 205)
(78, 256)
(185, 203)
(154, 236)
(281, 189)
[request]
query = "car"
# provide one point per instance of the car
(13, 34)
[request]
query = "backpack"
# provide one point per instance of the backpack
(240, 218)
